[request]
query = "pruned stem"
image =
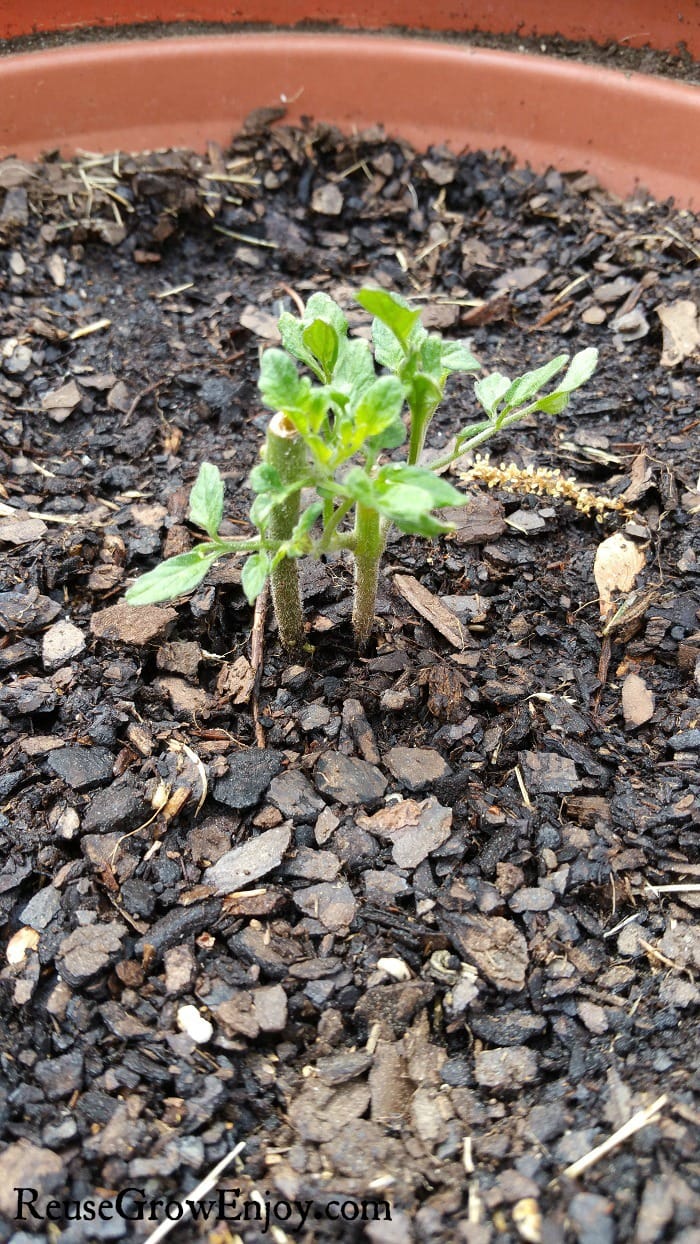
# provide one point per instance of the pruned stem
(369, 546)
(285, 451)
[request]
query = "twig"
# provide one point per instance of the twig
(635, 1124)
(196, 1194)
(257, 657)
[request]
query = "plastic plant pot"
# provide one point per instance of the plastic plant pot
(90, 87)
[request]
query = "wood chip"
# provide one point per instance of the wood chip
(432, 609)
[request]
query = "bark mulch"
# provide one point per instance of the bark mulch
(440, 931)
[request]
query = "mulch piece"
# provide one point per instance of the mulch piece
(464, 949)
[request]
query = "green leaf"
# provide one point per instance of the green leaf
(322, 307)
(280, 384)
(580, 370)
(387, 350)
(552, 404)
(305, 523)
(424, 396)
(392, 311)
(253, 575)
(431, 357)
(490, 390)
(436, 490)
(380, 405)
(207, 499)
(354, 368)
(406, 495)
(528, 385)
(292, 334)
(456, 356)
(173, 577)
(265, 478)
(322, 340)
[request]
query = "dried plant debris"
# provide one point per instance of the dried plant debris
(436, 941)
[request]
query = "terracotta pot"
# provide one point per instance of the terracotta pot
(187, 88)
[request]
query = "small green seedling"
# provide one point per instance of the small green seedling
(330, 435)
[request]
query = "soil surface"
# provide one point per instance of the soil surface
(437, 938)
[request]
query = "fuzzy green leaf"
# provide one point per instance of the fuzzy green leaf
(580, 370)
(265, 478)
(456, 356)
(253, 575)
(354, 369)
(292, 334)
(322, 307)
(392, 311)
(280, 384)
(529, 384)
(322, 340)
(387, 350)
(207, 499)
(490, 390)
(174, 577)
(424, 396)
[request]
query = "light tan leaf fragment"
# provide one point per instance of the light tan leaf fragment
(681, 333)
(618, 561)
(432, 609)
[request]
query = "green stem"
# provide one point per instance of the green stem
(369, 546)
(285, 451)
(331, 525)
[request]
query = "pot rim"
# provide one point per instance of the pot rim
(625, 128)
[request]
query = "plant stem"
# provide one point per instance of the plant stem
(285, 451)
(369, 546)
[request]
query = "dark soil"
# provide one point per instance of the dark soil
(443, 1001)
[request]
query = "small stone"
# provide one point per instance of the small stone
(61, 1076)
(593, 315)
(348, 780)
(506, 1070)
(339, 1068)
(244, 864)
(88, 951)
(327, 200)
(637, 701)
(531, 898)
(591, 1217)
(593, 1016)
(416, 767)
(122, 806)
(41, 909)
(548, 773)
(180, 969)
(132, 624)
(62, 642)
(249, 775)
(270, 1005)
(295, 797)
(185, 700)
(314, 717)
(25, 1165)
(82, 768)
(331, 903)
(384, 886)
(193, 1023)
(326, 824)
(685, 741)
